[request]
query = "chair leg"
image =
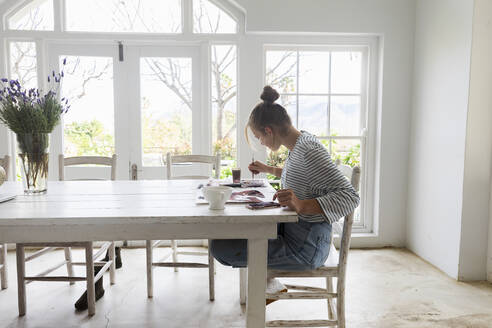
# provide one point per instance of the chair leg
(340, 308)
(150, 282)
(330, 302)
(243, 285)
(174, 245)
(3, 270)
(21, 282)
(91, 293)
(211, 274)
(68, 258)
(112, 268)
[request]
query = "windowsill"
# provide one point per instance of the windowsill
(364, 235)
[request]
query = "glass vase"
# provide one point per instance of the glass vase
(33, 151)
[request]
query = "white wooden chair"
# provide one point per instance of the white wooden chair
(334, 267)
(91, 258)
(150, 245)
(4, 162)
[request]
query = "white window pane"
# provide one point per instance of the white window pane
(346, 72)
(89, 123)
(35, 16)
(345, 116)
(208, 18)
(165, 104)
(290, 104)
(313, 114)
(23, 63)
(224, 104)
(151, 16)
(314, 72)
(281, 70)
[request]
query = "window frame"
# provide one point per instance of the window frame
(367, 110)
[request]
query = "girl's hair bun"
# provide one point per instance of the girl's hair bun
(269, 95)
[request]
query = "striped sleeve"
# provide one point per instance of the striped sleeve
(335, 194)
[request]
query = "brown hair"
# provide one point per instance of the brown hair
(268, 113)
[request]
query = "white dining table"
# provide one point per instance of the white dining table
(81, 211)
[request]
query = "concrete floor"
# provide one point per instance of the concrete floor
(386, 288)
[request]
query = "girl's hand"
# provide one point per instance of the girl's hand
(257, 167)
(286, 197)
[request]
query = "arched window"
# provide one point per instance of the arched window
(35, 16)
(208, 18)
(130, 16)
(147, 16)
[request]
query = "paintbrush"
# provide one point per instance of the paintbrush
(252, 162)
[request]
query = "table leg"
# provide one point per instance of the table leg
(150, 281)
(257, 272)
(243, 282)
(21, 282)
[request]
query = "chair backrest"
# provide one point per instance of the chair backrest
(205, 159)
(354, 176)
(82, 160)
(5, 163)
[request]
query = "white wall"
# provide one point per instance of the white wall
(394, 21)
(478, 153)
(437, 144)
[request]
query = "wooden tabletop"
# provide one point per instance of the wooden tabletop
(109, 202)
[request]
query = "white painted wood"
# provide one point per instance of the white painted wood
(38, 253)
(305, 288)
(63, 162)
(211, 275)
(53, 217)
(180, 159)
(331, 306)
(333, 267)
(191, 253)
(175, 253)
(314, 294)
(84, 160)
(150, 278)
(45, 272)
(3, 267)
(301, 323)
(105, 267)
(243, 284)
(21, 283)
(257, 273)
(112, 269)
(102, 250)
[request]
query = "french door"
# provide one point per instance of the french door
(165, 87)
(139, 102)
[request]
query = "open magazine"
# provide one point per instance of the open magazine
(244, 196)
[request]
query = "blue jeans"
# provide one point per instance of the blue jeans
(299, 246)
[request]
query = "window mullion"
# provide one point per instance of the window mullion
(187, 16)
(59, 15)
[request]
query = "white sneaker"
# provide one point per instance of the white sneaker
(274, 286)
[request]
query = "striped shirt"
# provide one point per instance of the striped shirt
(311, 174)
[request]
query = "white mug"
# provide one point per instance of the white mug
(217, 196)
